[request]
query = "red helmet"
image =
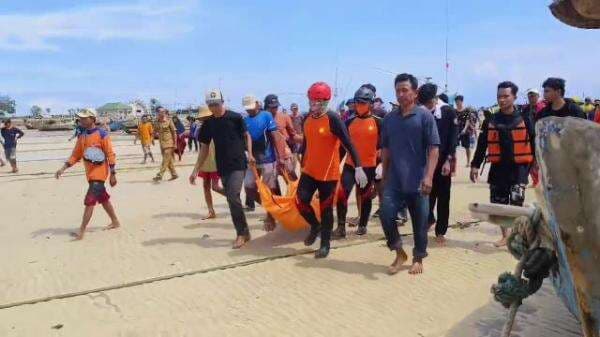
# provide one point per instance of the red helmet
(319, 91)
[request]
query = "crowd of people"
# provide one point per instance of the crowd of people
(406, 157)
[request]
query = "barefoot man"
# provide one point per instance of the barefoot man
(228, 132)
(410, 148)
(95, 148)
(445, 119)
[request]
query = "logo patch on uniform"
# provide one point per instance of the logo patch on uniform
(321, 130)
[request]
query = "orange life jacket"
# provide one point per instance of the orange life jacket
(520, 152)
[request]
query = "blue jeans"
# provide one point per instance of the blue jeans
(418, 207)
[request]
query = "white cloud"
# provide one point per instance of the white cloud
(134, 21)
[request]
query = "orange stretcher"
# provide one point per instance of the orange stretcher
(283, 207)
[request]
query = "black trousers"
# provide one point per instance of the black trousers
(366, 195)
(440, 193)
(307, 186)
(232, 183)
(192, 140)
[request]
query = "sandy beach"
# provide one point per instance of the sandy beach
(165, 272)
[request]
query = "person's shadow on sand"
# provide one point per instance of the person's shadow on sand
(480, 247)
(198, 216)
(61, 231)
(366, 269)
(204, 242)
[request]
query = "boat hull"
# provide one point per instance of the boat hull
(568, 153)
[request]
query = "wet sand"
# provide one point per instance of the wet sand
(168, 273)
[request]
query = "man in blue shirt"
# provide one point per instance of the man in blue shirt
(265, 140)
(410, 150)
(10, 134)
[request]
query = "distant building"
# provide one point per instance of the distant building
(121, 111)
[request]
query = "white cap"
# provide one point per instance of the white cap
(214, 96)
(533, 91)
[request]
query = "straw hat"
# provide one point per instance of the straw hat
(86, 112)
(203, 111)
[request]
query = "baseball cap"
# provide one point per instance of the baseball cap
(293, 105)
(249, 102)
(533, 91)
(214, 96)
(86, 112)
(271, 101)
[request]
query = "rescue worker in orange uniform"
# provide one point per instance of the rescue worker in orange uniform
(323, 132)
(363, 129)
(95, 148)
(508, 138)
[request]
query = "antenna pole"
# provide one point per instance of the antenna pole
(447, 63)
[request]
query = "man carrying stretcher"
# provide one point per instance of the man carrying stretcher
(363, 129)
(323, 132)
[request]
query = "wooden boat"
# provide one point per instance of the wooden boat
(568, 154)
(130, 125)
(57, 124)
(115, 125)
(577, 13)
(34, 123)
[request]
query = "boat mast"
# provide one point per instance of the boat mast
(447, 63)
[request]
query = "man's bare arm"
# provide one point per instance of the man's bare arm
(278, 140)
(201, 158)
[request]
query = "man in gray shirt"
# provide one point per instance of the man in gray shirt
(410, 149)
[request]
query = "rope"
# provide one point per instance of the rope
(531, 244)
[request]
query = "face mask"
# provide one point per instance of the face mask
(318, 107)
(362, 109)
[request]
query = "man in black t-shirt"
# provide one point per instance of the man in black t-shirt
(554, 94)
(227, 130)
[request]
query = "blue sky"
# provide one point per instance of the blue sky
(64, 53)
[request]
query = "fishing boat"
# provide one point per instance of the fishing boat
(115, 125)
(577, 13)
(33, 123)
(130, 125)
(57, 124)
(568, 154)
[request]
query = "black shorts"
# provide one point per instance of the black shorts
(508, 194)
(465, 141)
